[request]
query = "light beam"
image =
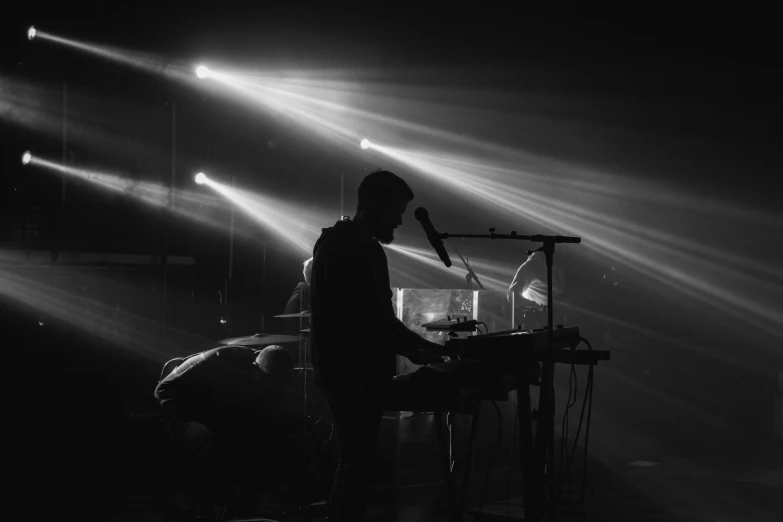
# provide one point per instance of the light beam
(298, 224)
(569, 210)
(204, 209)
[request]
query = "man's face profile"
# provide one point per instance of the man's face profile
(389, 217)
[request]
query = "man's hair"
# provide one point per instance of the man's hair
(276, 362)
(380, 187)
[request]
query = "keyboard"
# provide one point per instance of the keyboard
(512, 346)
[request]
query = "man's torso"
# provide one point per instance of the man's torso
(351, 302)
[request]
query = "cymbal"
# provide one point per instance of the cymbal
(306, 313)
(259, 339)
(306, 330)
(306, 369)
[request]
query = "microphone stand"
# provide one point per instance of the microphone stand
(544, 454)
(471, 275)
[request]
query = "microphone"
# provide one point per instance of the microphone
(423, 216)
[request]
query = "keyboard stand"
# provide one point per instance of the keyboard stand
(527, 448)
(446, 435)
(534, 475)
(532, 487)
(470, 405)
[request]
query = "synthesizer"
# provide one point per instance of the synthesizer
(512, 346)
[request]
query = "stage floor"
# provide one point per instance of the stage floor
(725, 490)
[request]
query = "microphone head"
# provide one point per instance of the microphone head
(421, 213)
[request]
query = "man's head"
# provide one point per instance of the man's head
(383, 199)
(278, 365)
(307, 270)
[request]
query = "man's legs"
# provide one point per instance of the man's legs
(357, 419)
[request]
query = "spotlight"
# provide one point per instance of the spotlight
(31, 33)
(201, 178)
(26, 157)
(202, 71)
(365, 144)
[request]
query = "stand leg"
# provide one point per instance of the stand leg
(532, 490)
(544, 443)
(446, 445)
(303, 383)
(459, 509)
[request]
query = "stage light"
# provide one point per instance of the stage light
(202, 71)
(26, 157)
(201, 178)
(31, 33)
(365, 144)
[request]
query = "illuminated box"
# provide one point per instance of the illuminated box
(416, 307)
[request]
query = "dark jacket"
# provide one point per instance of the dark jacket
(351, 308)
(222, 389)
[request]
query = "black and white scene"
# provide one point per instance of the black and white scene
(392, 262)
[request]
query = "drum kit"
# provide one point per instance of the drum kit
(262, 339)
(259, 339)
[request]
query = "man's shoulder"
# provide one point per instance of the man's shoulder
(338, 239)
(220, 355)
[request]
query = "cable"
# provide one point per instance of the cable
(486, 328)
(513, 454)
(587, 430)
(588, 395)
(497, 448)
(581, 416)
(565, 474)
(572, 391)
(564, 445)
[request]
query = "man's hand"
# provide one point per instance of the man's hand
(426, 353)
(519, 301)
(532, 306)
(524, 304)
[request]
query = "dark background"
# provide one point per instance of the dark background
(684, 96)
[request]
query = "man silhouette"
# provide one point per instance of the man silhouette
(355, 333)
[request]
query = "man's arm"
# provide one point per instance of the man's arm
(413, 346)
(521, 279)
(173, 395)
(350, 278)
(518, 283)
